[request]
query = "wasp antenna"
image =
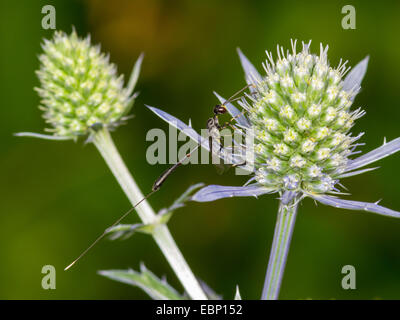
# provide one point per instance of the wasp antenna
(240, 91)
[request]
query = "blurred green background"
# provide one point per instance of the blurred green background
(56, 197)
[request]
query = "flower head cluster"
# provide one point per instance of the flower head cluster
(300, 113)
(80, 89)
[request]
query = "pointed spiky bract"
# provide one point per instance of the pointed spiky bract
(301, 117)
(80, 89)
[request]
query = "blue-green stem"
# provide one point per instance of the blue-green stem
(104, 143)
(280, 248)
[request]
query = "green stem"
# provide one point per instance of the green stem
(280, 248)
(104, 143)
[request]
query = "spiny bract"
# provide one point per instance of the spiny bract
(80, 88)
(300, 113)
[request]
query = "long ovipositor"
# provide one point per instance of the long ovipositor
(161, 179)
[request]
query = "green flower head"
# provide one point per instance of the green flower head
(302, 119)
(80, 89)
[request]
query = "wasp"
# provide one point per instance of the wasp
(213, 125)
(213, 128)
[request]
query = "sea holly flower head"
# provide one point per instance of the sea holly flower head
(305, 109)
(80, 89)
(300, 114)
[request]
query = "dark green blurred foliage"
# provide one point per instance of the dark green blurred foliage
(56, 197)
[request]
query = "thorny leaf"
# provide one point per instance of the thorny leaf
(156, 288)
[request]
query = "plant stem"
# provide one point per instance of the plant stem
(104, 143)
(280, 248)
